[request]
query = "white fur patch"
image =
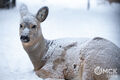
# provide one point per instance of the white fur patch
(25, 31)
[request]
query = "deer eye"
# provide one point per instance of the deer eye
(21, 26)
(34, 26)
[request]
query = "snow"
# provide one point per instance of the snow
(65, 19)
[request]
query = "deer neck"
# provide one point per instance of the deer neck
(36, 52)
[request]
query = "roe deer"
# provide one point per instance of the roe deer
(66, 59)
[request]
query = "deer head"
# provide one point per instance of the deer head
(30, 30)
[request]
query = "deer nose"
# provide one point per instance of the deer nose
(25, 38)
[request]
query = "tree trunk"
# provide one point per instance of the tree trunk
(88, 5)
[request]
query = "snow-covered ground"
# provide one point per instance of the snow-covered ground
(67, 18)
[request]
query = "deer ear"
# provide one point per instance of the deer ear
(23, 10)
(42, 14)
